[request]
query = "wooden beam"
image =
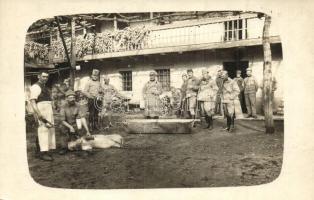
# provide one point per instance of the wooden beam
(63, 42)
(267, 79)
(115, 23)
(73, 54)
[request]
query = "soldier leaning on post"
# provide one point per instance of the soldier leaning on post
(207, 97)
(230, 92)
(92, 91)
(40, 98)
(250, 89)
(191, 92)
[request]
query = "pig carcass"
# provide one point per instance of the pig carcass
(96, 141)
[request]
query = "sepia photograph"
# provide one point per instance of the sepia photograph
(154, 100)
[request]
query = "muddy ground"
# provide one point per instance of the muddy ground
(201, 159)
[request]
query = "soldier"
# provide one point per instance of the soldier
(219, 82)
(240, 82)
(230, 92)
(151, 92)
(191, 92)
(183, 96)
(250, 89)
(207, 97)
(92, 91)
(72, 118)
(40, 98)
(110, 93)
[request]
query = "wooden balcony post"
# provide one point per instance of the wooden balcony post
(267, 79)
(115, 23)
(73, 53)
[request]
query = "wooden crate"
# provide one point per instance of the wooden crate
(168, 126)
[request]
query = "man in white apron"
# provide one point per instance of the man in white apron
(40, 98)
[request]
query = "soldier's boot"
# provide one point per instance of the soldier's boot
(228, 123)
(193, 117)
(231, 125)
(204, 122)
(37, 148)
(210, 122)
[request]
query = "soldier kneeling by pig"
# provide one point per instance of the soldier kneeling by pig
(72, 136)
(72, 120)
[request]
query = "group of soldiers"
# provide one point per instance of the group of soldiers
(217, 96)
(207, 96)
(73, 117)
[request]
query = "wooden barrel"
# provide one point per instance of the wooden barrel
(167, 126)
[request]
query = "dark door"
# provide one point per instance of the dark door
(232, 67)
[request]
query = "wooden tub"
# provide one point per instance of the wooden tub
(167, 126)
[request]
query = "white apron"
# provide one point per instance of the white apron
(46, 136)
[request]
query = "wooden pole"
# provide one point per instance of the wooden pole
(267, 79)
(63, 42)
(73, 54)
(115, 23)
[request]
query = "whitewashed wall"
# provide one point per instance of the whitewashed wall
(179, 63)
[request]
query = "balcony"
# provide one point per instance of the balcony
(200, 35)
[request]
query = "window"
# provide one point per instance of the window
(235, 30)
(163, 76)
(126, 80)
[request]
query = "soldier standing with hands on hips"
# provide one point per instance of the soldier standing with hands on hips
(250, 89)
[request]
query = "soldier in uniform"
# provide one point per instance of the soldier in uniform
(110, 93)
(250, 89)
(40, 99)
(219, 82)
(207, 97)
(230, 92)
(151, 92)
(72, 118)
(183, 95)
(240, 82)
(92, 91)
(191, 92)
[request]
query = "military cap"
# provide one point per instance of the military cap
(95, 72)
(153, 73)
(249, 69)
(106, 77)
(205, 71)
(69, 93)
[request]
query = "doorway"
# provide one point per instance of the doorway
(232, 67)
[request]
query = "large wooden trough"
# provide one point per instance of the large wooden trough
(168, 126)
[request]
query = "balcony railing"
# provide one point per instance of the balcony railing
(141, 38)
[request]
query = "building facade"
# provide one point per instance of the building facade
(231, 42)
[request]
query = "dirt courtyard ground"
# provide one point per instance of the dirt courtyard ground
(201, 159)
